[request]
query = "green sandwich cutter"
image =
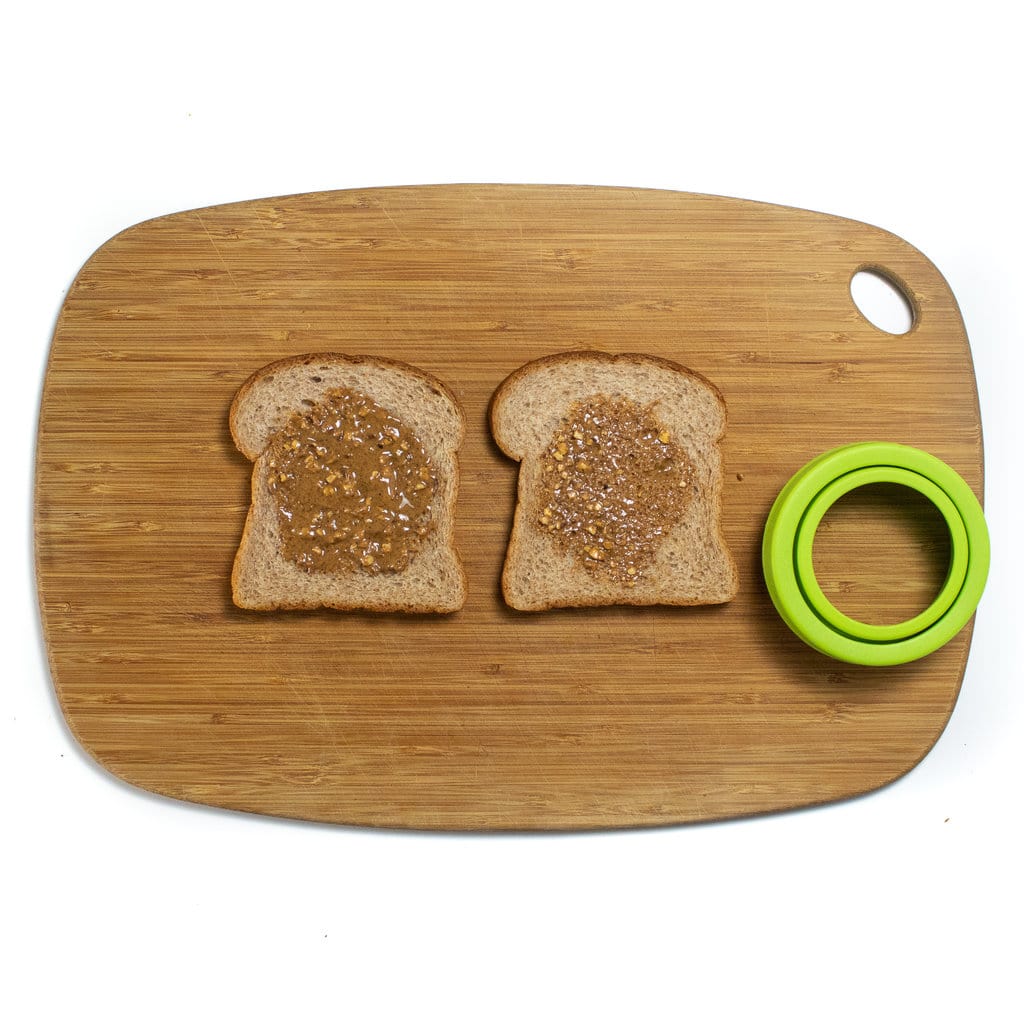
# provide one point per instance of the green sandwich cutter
(786, 553)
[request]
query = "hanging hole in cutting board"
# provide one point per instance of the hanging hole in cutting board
(882, 302)
(882, 553)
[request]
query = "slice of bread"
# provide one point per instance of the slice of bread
(272, 401)
(533, 414)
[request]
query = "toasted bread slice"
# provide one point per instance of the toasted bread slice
(586, 533)
(270, 405)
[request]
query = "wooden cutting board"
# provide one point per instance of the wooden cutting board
(487, 719)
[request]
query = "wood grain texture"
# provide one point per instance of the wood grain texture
(488, 719)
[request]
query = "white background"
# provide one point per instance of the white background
(904, 905)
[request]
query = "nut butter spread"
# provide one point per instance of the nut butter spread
(613, 483)
(354, 487)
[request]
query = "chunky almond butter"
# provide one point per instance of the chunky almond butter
(354, 488)
(621, 484)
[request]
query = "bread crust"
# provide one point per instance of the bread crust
(311, 358)
(524, 533)
(575, 357)
(441, 544)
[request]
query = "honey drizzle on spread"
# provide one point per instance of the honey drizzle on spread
(353, 487)
(613, 483)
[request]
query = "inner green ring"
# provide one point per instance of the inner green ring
(804, 546)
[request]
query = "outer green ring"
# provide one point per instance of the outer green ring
(807, 530)
(779, 561)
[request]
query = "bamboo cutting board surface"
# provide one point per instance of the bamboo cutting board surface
(487, 719)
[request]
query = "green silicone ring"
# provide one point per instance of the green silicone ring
(788, 582)
(807, 531)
